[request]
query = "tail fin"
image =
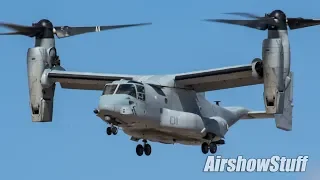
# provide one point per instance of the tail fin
(284, 120)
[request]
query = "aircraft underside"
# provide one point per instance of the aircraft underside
(141, 129)
(163, 136)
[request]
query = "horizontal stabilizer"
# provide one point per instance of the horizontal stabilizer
(257, 115)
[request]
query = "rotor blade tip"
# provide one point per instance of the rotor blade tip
(210, 20)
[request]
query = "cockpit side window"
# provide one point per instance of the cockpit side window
(127, 89)
(141, 92)
(109, 89)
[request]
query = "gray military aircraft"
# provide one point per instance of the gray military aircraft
(168, 108)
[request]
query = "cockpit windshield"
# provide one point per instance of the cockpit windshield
(129, 89)
(109, 89)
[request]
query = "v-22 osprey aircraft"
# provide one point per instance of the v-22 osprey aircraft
(168, 108)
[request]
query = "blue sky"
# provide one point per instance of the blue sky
(75, 145)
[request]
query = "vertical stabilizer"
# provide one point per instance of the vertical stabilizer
(284, 120)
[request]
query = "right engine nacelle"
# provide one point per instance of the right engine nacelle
(274, 69)
(273, 75)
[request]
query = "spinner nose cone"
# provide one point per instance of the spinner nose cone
(278, 14)
(45, 23)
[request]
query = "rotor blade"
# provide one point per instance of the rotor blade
(255, 24)
(20, 29)
(66, 31)
(12, 33)
(248, 15)
(297, 23)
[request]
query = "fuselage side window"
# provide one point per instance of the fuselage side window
(141, 92)
(109, 89)
(127, 89)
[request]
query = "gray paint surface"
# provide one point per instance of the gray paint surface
(171, 108)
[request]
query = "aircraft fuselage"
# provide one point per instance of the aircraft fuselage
(164, 114)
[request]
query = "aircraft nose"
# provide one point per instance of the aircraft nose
(113, 103)
(107, 107)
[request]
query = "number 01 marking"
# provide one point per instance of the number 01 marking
(173, 120)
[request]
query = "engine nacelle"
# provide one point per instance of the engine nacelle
(274, 75)
(41, 99)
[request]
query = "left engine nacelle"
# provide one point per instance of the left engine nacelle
(41, 99)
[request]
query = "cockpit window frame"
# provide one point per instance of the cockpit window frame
(135, 82)
(141, 95)
(113, 91)
(123, 84)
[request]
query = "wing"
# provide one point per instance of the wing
(215, 79)
(84, 80)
